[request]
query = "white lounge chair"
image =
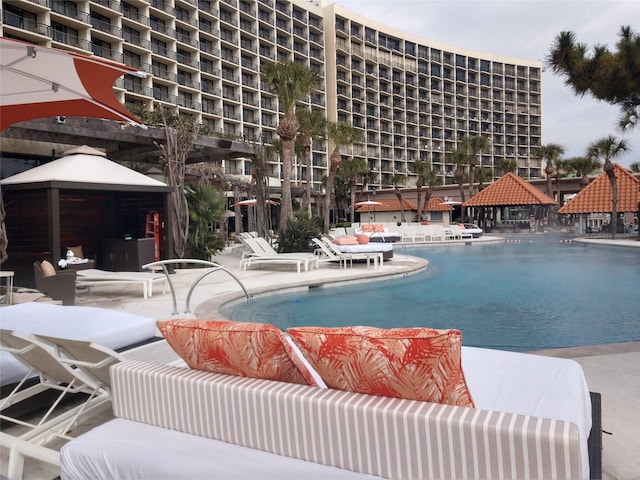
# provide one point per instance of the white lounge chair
(456, 233)
(327, 254)
(411, 234)
(262, 252)
(93, 276)
(345, 257)
(80, 368)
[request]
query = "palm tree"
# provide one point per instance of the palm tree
(505, 166)
(206, 206)
(551, 153)
(473, 147)
(313, 124)
(635, 167)
(422, 170)
(611, 76)
(583, 166)
(291, 82)
(367, 178)
(608, 148)
(559, 172)
(431, 179)
(482, 175)
(460, 160)
(339, 134)
(351, 169)
(396, 180)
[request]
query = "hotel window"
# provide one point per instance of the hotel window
(101, 48)
(160, 92)
(129, 35)
(158, 24)
(159, 47)
(64, 34)
(131, 59)
(70, 9)
(130, 11)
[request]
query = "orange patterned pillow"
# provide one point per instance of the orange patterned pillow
(378, 228)
(246, 349)
(367, 227)
(415, 363)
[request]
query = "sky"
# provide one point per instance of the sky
(526, 29)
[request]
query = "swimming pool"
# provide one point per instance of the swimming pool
(537, 294)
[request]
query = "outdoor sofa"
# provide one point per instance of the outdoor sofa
(531, 419)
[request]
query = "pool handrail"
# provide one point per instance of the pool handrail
(214, 267)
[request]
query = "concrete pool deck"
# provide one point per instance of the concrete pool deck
(612, 370)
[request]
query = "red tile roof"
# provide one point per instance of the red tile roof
(388, 205)
(510, 189)
(436, 204)
(596, 197)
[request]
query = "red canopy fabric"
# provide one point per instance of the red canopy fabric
(39, 82)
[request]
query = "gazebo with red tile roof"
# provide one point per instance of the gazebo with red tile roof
(512, 191)
(597, 196)
(509, 189)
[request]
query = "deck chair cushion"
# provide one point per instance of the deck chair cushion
(47, 268)
(346, 240)
(246, 349)
(413, 363)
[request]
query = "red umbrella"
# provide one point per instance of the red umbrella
(37, 82)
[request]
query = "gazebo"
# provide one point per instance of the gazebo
(596, 199)
(512, 201)
(81, 199)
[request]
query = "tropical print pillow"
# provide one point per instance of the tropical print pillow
(414, 363)
(246, 349)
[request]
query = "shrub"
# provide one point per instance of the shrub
(298, 234)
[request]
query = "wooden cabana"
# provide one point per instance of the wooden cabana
(81, 199)
(511, 202)
(596, 198)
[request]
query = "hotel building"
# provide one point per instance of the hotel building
(413, 98)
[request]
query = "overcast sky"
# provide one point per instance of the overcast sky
(526, 29)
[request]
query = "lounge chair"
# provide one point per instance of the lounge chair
(326, 254)
(435, 233)
(93, 276)
(345, 257)
(411, 234)
(262, 252)
(79, 368)
(456, 233)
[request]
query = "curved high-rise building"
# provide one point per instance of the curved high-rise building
(413, 98)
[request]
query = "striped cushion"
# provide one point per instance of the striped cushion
(383, 436)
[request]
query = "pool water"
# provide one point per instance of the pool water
(538, 293)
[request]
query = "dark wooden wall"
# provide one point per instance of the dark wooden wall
(86, 218)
